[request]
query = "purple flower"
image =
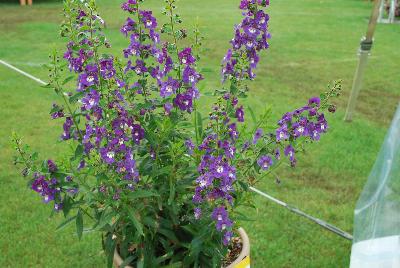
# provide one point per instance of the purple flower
(189, 146)
(137, 133)
(67, 129)
(282, 133)
(257, 135)
(129, 26)
(314, 102)
(140, 67)
(39, 184)
(91, 100)
(190, 76)
(167, 108)
(148, 20)
(129, 6)
(197, 213)
(289, 151)
(300, 128)
(240, 114)
(186, 57)
(88, 78)
(107, 70)
(183, 102)
(51, 166)
(233, 133)
(108, 155)
(169, 87)
(58, 206)
(265, 162)
(58, 112)
(220, 216)
(277, 154)
(227, 238)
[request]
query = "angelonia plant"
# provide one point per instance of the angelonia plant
(163, 183)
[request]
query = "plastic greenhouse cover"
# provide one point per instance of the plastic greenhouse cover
(377, 215)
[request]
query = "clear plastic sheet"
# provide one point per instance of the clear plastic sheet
(377, 215)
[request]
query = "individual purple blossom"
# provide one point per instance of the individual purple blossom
(167, 108)
(130, 25)
(52, 167)
(227, 238)
(197, 213)
(290, 152)
(240, 114)
(265, 162)
(314, 101)
(233, 133)
(108, 155)
(257, 135)
(58, 112)
(91, 100)
(148, 20)
(129, 6)
(66, 135)
(184, 102)
(88, 78)
(140, 67)
(277, 154)
(282, 133)
(169, 87)
(190, 76)
(107, 70)
(58, 206)
(186, 57)
(189, 146)
(220, 216)
(137, 133)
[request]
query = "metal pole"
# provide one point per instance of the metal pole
(297, 211)
(365, 48)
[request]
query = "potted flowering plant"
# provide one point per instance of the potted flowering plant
(159, 180)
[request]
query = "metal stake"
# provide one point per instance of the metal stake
(365, 48)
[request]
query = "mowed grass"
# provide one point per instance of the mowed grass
(314, 42)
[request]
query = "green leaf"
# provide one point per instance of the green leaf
(78, 152)
(199, 127)
(76, 97)
(127, 261)
(142, 194)
(65, 223)
(253, 116)
(66, 80)
(79, 224)
(135, 222)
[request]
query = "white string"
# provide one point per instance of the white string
(23, 73)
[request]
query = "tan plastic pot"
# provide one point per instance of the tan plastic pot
(243, 260)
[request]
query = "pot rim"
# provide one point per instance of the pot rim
(245, 252)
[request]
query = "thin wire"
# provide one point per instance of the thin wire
(22, 72)
(320, 222)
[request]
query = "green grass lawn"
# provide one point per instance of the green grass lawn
(314, 42)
